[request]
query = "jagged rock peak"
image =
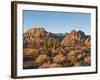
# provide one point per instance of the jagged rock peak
(36, 29)
(73, 31)
(73, 37)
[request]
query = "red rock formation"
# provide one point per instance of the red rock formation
(71, 39)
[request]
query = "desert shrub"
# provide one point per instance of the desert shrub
(59, 58)
(45, 65)
(30, 51)
(29, 64)
(77, 64)
(78, 51)
(71, 60)
(87, 59)
(35, 54)
(71, 53)
(54, 52)
(79, 56)
(30, 54)
(43, 48)
(78, 46)
(41, 59)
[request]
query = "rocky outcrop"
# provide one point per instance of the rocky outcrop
(88, 41)
(33, 37)
(72, 38)
(42, 49)
(75, 38)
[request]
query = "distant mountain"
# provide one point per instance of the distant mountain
(58, 36)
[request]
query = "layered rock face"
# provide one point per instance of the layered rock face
(71, 38)
(32, 37)
(75, 38)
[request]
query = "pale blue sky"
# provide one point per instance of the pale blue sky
(57, 22)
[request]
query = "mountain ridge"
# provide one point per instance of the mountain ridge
(37, 34)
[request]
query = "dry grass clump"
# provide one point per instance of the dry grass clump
(30, 52)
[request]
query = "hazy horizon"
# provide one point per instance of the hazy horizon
(57, 22)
